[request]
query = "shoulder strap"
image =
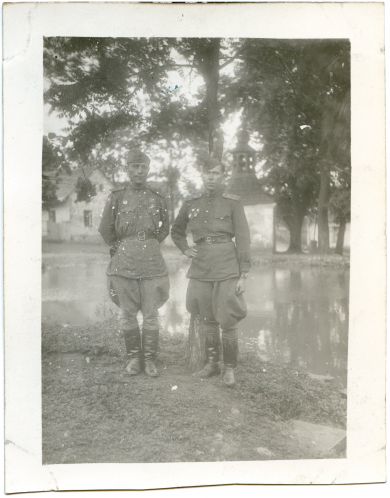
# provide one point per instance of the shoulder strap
(117, 189)
(154, 191)
(233, 197)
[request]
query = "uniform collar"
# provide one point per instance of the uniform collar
(212, 195)
(138, 188)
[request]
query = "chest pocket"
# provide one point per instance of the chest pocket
(127, 216)
(194, 217)
(223, 218)
(127, 213)
(155, 217)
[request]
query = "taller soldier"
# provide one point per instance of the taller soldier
(134, 223)
(219, 266)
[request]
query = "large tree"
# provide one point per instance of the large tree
(104, 84)
(333, 68)
(113, 91)
(340, 203)
(290, 91)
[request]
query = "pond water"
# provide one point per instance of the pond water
(298, 317)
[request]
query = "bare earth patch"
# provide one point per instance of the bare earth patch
(94, 412)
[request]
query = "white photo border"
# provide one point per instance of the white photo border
(25, 25)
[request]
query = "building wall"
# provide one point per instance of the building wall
(70, 218)
(58, 230)
(310, 233)
(63, 212)
(261, 222)
(79, 231)
(45, 220)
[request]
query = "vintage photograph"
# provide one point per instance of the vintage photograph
(195, 249)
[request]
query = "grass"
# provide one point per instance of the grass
(94, 412)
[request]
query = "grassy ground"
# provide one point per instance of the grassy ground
(94, 412)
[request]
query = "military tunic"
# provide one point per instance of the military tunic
(215, 216)
(133, 223)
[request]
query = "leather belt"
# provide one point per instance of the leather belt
(215, 239)
(141, 236)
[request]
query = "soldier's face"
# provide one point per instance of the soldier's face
(212, 178)
(138, 173)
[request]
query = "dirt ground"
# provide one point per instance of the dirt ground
(94, 412)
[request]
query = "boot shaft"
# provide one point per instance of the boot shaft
(230, 347)
(132, 342)
(212, 343)
(150, 344)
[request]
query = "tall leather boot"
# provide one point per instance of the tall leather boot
(212, 351)
(149, 347)
(230, 353)
(133, 350)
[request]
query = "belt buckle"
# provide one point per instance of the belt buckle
(141, 235)
(209, 239)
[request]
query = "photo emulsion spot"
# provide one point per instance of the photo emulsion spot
(195, 249)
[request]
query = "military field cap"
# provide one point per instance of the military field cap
(136, 156)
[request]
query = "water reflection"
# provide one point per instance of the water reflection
(297, 317)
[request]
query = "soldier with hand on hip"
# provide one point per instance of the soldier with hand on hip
(219, 266)
(134, 222)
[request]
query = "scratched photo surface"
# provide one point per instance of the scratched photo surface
(276, 114)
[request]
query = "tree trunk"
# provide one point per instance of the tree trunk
(171, 204)
(209, 69)
(274, 248)
(294, 224)
(212, 93)
(340, 238)
(323, 222)
(196, 353)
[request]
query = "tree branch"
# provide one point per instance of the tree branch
(230, 59)
(174, 66)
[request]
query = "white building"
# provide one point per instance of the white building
(71, 220)
(259, 206)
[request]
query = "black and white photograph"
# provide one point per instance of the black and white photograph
(202, 242)
(195, 254)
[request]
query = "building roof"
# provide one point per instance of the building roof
(67, 183)
(250, 189)
(243, 144)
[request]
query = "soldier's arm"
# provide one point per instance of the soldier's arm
(163, 230)
(107, 222)
(242, 237)
(178, 231)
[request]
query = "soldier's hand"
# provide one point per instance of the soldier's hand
(191, 252)
(240, 286)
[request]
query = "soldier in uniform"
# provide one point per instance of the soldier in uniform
(134, 223)
(218, 268)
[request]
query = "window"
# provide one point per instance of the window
(52, 215)
(87, 218)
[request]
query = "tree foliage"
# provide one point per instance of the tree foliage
(53, 162)
(293, 95)
(84, 189)
(104, 84)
